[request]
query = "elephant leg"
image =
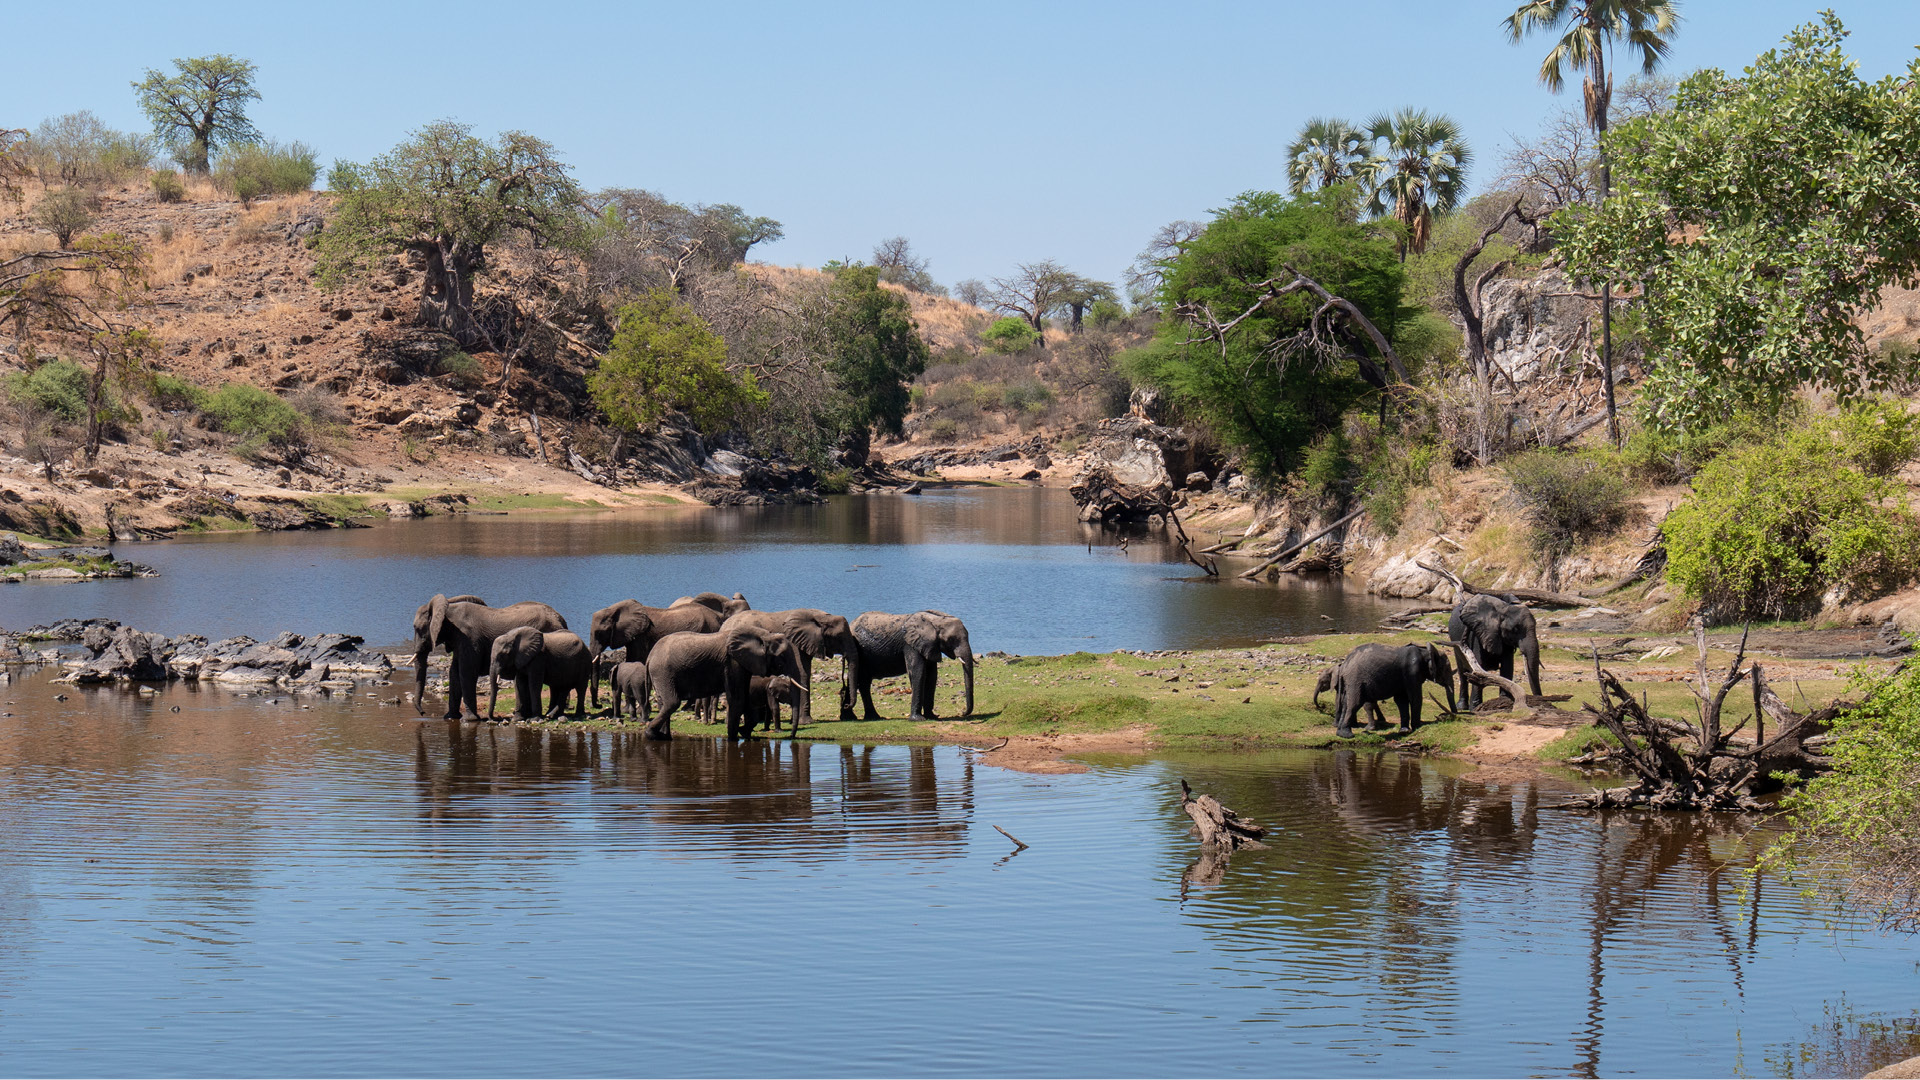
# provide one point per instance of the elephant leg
(1346, 707)
(806, 687)
(928, 684)
(1376, 720)
(659, 726)
(1506, 670)
(866, 697)
(526, 694)
(1409, 710)
(453, 685)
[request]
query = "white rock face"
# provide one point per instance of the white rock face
(1531, 324)
(1400, 576)
(725, 463)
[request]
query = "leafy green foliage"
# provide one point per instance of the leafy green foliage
(170, 393)
(1010, 335)
(78, 149)
(1661, 456)
(1420, 170)
(877, 351)
(463, 370)
(57, 386)
(1772, 527)
(167, 186)
(1271, 386)
(260, 417)
(1764, 214)
(202, 107)
(252, 170)
(663, 358)
(1864, 815)
(1325, 153)
(1569, 497)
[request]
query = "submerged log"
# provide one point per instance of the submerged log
(1218, 826)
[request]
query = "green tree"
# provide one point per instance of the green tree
(445, 195)
(665, 358)
(877, 351)
(1271, 311)
(202, 107)
(1762, 215)
(1010, 334)
(1326, 152)
(1590, 28)
(1421, 170)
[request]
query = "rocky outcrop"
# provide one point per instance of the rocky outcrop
(123, 654)
(1129, 470)
(1032, 449)
(756, 483)
(1531, 324)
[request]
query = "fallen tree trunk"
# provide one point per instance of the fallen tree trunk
(1301, 546)
(1525, 596)
(1218, 826)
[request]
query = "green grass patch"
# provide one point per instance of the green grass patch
(341, 507)
(1576, 742)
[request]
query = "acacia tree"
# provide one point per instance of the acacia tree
(1591, 27)
(901, 265)
(1032, 291)
(641, 240)
(1421, 170)
(444, 196)
(665, 358)
(1326, 152)
(82, 298)
(202, 107)
(1759, 246)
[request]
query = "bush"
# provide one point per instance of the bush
(65, 211)
(1010, 335)
(1770, 529)
(260, 418)
(463, 371)
(1568, 497)
(167, 186)
(57, 386)
(1668, 458)
(170, 393)
(1106, 313)
(1027, 396)
(78, 149)
(252, 170)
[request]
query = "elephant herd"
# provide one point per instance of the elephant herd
(1485, 628)
(694, 651)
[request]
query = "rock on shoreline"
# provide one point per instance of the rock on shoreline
(125, 654)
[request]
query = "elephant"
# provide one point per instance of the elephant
(631, 681)
(635, 627)
(689, 666)
(726, 606)
(910, 645)
(1375, 672)
(1489, 629)
(466, 628)
(534, 659)
(1328, 680)
(764, 698)
(815, 633)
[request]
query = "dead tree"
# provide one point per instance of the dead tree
(1680, 765)
(1523, 596)
(1218, 826)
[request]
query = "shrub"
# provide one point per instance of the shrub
(1106, 313)
(65, 211)
(1668, 458)
(1568, 497)
(1327, 466)
(1028, 396)
(167, 186)
(462, 371)
(171, 393)
(78, 149)
(1772, 528)
(1010, 335)
(260, 418)
(57, 386)
(251, 170)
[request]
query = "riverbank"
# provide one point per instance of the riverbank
(1044, 711)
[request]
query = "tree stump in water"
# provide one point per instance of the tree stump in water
(1218, 826)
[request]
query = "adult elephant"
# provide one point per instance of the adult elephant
(1375, 672)
(635, 627)
(910, 645)
(557, 661)
(814, 632)
(727, 606)
(688, 667)
(1490, 629)
(466, 628)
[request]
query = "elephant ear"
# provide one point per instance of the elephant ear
(635, 623)
(530, 647)
(806, 634)
(437, 619)
(921, 634)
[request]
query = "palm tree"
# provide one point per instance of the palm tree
(1327, 152)
(1589, 28)
(1420, 170)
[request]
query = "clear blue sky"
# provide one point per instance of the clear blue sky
(988, 133)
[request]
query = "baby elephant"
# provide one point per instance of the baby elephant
(629, 680)
(533, 659)
(1373, 673)
(1326, 681)
(765, 695)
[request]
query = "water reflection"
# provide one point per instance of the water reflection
(1015, 563)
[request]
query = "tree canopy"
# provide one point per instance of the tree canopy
(876, 349)
(445, 195)
(665, 358)
(1269, 367)
(1420, 171)
(1762, 214)
(202, 107)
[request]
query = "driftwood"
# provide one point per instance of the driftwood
(1301, 546)
(1186, 545)
(1218, 826)
(1525, 596)
(1696, 766)
(1511, 691)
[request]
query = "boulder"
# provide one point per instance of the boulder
(1197, 481)
(1125, 475)
(125, 654)
(11, 550)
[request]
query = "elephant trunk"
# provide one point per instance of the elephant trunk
(493, 687)
(1530, 648)
(966, 676)
(420, 654)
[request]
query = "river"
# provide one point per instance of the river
(265, 885)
